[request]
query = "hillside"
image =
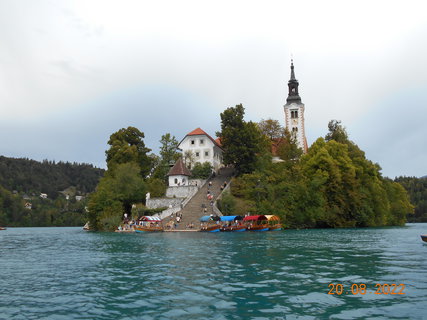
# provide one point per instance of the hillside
(30, 176)
(30, 192)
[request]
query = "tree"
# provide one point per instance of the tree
(271, 128)
(114, 196)
(242, 141)
(288, 148)
(336, 132)
(168, 148)
(168, 156)
(201, 170)
(127, 145)
(189, 158)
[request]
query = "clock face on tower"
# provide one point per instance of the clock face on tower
(294, 121)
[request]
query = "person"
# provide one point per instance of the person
(210, 183)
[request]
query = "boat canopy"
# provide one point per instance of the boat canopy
(255, 218)
(149, 218)
(209, 218)
(231, 218)
(271, 217)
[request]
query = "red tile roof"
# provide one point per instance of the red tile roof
(198, 132)
(179, 169)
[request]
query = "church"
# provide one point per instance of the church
(201, 147)
(294, 112)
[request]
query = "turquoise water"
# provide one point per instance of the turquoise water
(66, 273)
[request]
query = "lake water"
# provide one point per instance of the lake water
(66, 273)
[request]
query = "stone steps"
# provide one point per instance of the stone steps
(192, 212)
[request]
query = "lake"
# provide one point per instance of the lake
(66, 273)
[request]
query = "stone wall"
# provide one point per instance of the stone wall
(155, 203)
(181, 192)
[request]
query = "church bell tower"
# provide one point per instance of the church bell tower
(294, 112)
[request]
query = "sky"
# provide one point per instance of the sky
(74, 72)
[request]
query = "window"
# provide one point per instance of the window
(294, 114)
(197, 154)
(295, 129)
(202, 141)
(176, 181)
(206, 153)
(192, 141)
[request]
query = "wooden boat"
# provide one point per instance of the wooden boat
(86, 226)
(211, 228)
(238, 228)
(273, 222)
(3, 228)
(424, 237)
(256, 223)
(142, 229)
(232, 224)
(148, 224)
(209, 224)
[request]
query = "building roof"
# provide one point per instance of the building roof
(179, 169)
(200, 132)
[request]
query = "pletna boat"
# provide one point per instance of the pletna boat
(273, 222)
(256, 223)
(232, 224)
(424, 237)
(148, 224)
(209, 224)
(3, 228)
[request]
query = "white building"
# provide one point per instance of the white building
(294, 112)
(202, 147)
(178, 174)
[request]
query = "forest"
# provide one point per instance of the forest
(22, 181)
(331, 186)
(417, 190)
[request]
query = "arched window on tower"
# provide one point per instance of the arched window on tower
(294, 114)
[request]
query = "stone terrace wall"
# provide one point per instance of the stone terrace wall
(155, 203)
(181, 191)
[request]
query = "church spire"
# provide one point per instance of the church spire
(292, 70)
(293, 84)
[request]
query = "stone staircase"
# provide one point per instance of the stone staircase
(192, 212)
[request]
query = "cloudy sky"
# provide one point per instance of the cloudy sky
(74, 72)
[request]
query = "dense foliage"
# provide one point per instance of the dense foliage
(33, 177)
(417, 190)
(201, 170)
(125, 181)
(333, 185)
(23, 180)
(42, 213)
(243, 142)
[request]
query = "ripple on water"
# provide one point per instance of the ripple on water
(64, 273)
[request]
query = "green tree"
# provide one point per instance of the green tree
(242, 141)
(114, 196)
(127, 145)
(201, 170)
(168, 156)
(168, 148)
(336, 132)
(288, 148)
(271, 128)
